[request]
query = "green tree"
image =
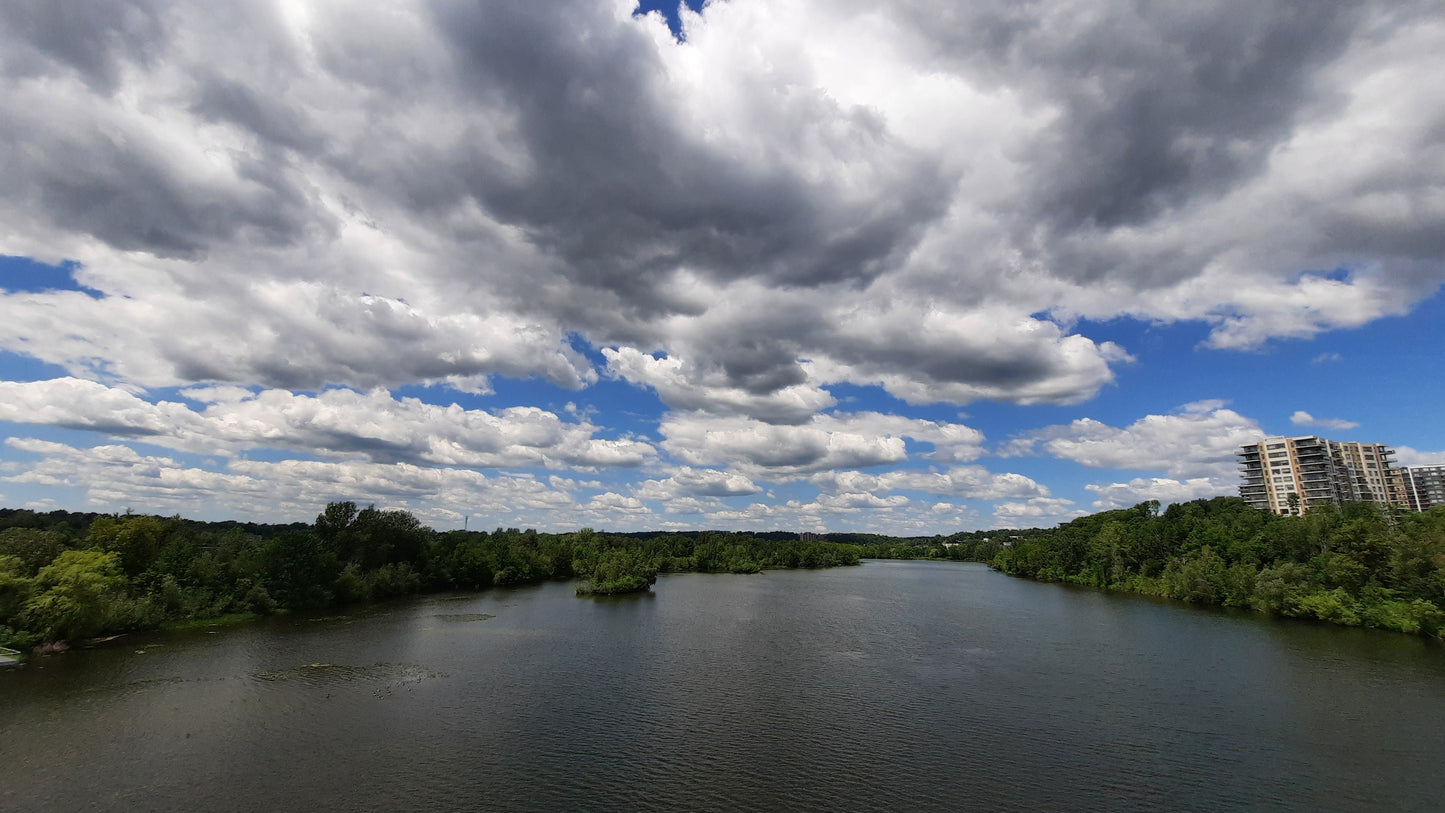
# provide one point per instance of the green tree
(15, 589)
(300, 571)
(35, 548)
(136, 539)
(76, 595)
(620, 570)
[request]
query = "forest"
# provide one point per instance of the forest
(1357, 565)
(69, 576)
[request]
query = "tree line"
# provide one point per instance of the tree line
(67, 576)
(1358, 564)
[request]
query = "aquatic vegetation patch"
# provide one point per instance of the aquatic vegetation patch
(461, 618)
(321, 675)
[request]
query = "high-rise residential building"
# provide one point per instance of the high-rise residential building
(1424, 486)
(1292, 475)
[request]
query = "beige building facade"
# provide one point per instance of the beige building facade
(1291, 475)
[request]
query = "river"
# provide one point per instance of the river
(890, 686)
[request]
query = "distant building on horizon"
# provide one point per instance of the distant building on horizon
(1424, 486)
(1291, 475)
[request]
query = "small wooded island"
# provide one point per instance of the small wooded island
(71, 576)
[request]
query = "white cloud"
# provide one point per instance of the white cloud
(115, 477)
(77, 404)
(1407, 456)
(1140, 489)
(612, 502)
(1040, 512)
(1200, 442)
(969, 482)
(297, 335)
(1302, 418)
(333, 423)
(834, 441)
(690, 482)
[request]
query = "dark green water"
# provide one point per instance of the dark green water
(892, 686)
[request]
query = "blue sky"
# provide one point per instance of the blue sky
(906, 268)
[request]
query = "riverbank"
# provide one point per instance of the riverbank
(66, 581)
(1356, 566)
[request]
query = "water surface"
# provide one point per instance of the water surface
(895, 685)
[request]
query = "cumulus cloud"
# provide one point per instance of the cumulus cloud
(332, 423)
(1163, 489)
(832, 441)
(690, 482)
(1408, 456)
(383, 195)
(681, 386)
(612, 502)
(114, 477)
(942, 200)
(969, 482)
(843, 512)
(292, 335)
(1302, 418)
(1197, 442)
(1039, 512)
(77, 404)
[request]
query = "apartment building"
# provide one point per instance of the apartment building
(1424, 486)
(1291, 475)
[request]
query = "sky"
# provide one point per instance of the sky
(906, 267)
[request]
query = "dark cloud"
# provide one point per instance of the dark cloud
(1165, 103)
(625, 193)
(129, 189)
(93, 39)
(224, 99)
(1159, 102)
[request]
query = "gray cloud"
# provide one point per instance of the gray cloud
(1164, 103)
(109, 158)
(95, 40)
(224, 99)
(833, 441)
(626, 193)
(1156, 103)
(916, 195)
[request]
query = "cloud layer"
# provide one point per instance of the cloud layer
(294, 210)
(375, 196)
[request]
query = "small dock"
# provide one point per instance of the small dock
(8, 657)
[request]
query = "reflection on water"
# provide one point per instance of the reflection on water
(891, 686)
